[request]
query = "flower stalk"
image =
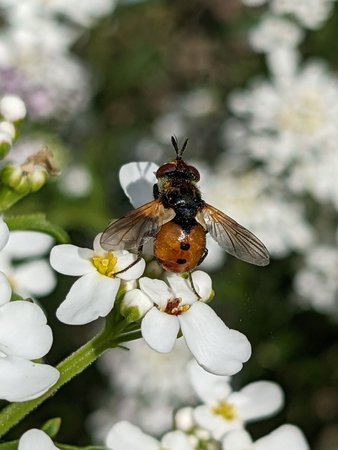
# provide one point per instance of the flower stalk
(70, 367)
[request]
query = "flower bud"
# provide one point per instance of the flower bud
(5, 143)
(134, 305)
(11, 175)
(12, 108)
(38, 178)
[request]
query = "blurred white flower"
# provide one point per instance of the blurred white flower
(125, 436)
(176, 307)
(93, 294)
(317, 281)
(146, 387)
(249, 197)
(41, 71)
(310, 13)
(12, 108)
(24, 336)
(22, 261)
(273, 32)
(37, 440)
(284, 437)
(225, 410)
(292, 128)
(75, 181)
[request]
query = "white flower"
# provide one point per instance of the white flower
(273, 33)
(176, 308)
(33, 276)
(310, 13)
(125, 436)
(93, 294)
(317, 281)
(12, 108)
(225, 410)
(76, 181)
(253, 199)
(24, 336)
(146, 386)
(284, 437)
(37, 440)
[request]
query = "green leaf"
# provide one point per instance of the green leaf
(12, 445)
(52, 427)
(37, 222)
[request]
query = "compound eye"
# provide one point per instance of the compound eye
(165, 169)
(195, 175)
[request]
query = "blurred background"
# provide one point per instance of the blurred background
(254, 86)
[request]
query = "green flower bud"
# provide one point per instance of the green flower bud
(38, 178)
(134, 305)
(11, 175)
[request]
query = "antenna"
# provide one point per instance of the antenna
(179, 151)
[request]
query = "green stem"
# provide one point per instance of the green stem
(68, 368)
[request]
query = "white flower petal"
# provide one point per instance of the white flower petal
(203, 284)
(37, 440)
(215, 423)
(4, 233)
(284, 437)
(217, 348)
(91, 296)
(257, 400)
(176, 440)
(137, 180)
(23, 330)
(22, 380)
(34, 278)
(25, 244)
(239, 440)
(12, 108)
(159, 330)
(157, 290)
(209, 387)
(134, 272)
(135, 298)
(181, 288)
(5, 289)
(125, 436)
(71, 260)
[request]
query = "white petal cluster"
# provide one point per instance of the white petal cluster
(174, 307)
(317, 281)
(286, 436)
(93, 294)
(125, 436)
(309, 13)
(33, 276)
(145, 387)
(225, 410)
(24, 337)
(43, 72)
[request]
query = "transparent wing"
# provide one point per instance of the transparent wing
(230, 235)
(137, 227)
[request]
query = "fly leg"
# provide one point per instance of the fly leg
(139, 256)
(193, 286)
(205, 253)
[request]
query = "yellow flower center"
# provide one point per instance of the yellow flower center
(225, 410)
(174, 307)
(105, 265)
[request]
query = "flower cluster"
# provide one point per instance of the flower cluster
(25, 335)
(219, 422)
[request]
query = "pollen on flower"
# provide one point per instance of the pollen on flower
(226, 410)
(175, 308)
(105, 265)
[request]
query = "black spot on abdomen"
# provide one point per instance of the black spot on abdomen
(184, 246)
(181, 261)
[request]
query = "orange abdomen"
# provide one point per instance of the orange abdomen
(177, 250)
